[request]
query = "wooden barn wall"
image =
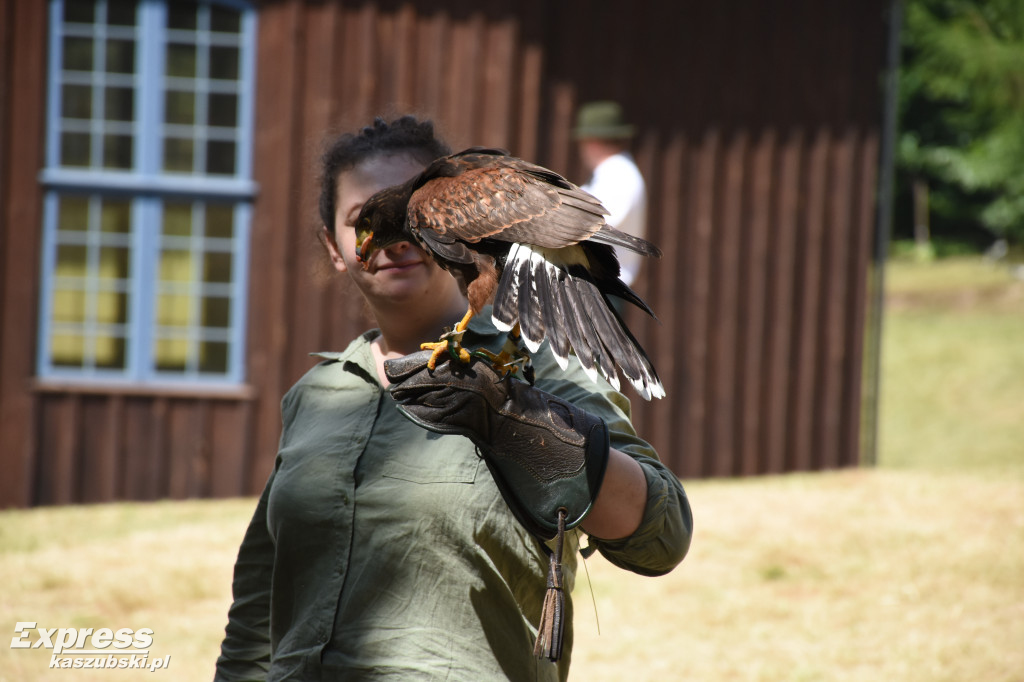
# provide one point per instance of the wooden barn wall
(758, 128)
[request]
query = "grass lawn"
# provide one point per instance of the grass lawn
(913, 571)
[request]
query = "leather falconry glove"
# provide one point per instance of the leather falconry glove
(545, 453)
(547, 456)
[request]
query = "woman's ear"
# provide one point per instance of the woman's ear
(327, 237)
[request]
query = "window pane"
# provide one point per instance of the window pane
(177, 219)
(68, 305)
(73, 214)
(223, 110)
(71, 260)
(182, 14)
(117, 151)
(174, 310)
(114, 262)
(76, 101)
(178, 155)
(180, 107)
(120, 56)
(216, 312)
(112, 307)
(181, 60)
(119, 104)
(120, 12)
(220, 220)
(80, 11)
(110, 352)
(115, 216)
(213, 357)
(176, 266)
(217, 267)
(224, 62)
(220, 157)
(224, 20)
(77, 54)
(171, 354)
(67, 350)
(74, 149)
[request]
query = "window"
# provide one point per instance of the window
(148, 191)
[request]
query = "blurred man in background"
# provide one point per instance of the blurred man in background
(603, 136)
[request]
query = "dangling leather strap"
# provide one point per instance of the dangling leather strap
(552, 624)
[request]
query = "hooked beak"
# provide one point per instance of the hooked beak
(364, 249)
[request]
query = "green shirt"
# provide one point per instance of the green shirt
(380, 550)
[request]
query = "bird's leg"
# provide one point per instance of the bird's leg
(450, 341)
(511, 358)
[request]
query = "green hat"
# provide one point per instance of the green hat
(602, 120)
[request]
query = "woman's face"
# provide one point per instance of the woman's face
(399, 274)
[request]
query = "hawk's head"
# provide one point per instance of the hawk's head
(381, 221)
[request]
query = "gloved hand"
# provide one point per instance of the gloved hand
(545, 453)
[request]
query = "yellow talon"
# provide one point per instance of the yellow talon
(449, 342)
(440, 347)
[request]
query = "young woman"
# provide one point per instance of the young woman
(383, 550)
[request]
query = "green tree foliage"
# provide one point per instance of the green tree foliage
(962, 110)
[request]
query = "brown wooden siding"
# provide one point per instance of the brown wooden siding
(758, 133)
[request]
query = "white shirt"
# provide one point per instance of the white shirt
(620, 187)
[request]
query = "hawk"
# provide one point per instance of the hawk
(535, 245)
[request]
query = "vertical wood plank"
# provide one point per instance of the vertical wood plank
(834, 300)
(65, 476)
(188, 451)
(724, 309)
(753, 316)
(463, 75)
(779, 304)
(229, 445)
(271, 295)
(99, 454)
(499, 72)
(529, 90)
(803, 351)
(311, 273)
(156, 464)
(23, 77)
(430, 63)
(670, 352)
(703, 178)
(56, 481)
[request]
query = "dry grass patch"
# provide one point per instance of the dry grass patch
(165, 566)
(856, 575)
(860, 575)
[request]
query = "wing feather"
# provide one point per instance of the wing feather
(505, 310)
(531, 321)
(554, 319)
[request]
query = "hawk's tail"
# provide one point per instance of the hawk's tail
(560, 301)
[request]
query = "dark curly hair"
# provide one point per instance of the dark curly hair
(402, 135)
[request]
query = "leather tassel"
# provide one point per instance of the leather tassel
(552, 625)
